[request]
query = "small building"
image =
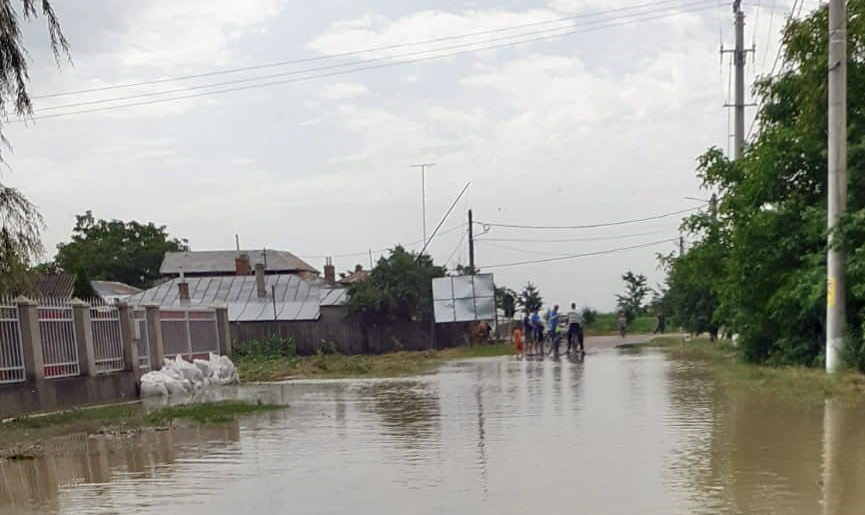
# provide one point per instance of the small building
(218, 263)
(113, 291)
(54, 286)
(357, 276)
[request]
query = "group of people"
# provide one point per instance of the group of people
(529, 339)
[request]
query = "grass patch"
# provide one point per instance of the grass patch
(395, 364)
(113, 419)
(800, 383)
(605, 324)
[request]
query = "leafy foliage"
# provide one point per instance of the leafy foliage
(759, 266)
(589, 316)
(399, 287)
(636, 290)
(506, 300)
(530, 300)
(112, 250)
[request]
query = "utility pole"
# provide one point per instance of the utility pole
(739, 105)
(423, 167)
(471, 244)
(837, 167)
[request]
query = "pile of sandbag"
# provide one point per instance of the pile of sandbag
(180, 376)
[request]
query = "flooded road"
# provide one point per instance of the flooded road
(618, 433)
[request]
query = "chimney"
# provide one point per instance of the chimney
(358, 268)
(259, 281)
(329, 271)
(183, 291)
(241, 265)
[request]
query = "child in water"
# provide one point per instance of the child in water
(518, 342)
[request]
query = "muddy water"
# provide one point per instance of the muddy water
(619, 433)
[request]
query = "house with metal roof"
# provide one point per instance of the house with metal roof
(212, 263)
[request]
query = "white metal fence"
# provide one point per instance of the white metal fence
(11, 352)
(139, 318)
(191, 333)
(59, 343)
(107, 338)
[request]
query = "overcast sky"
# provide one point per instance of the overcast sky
(598, 126)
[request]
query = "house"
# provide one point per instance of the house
(112, 291)
(357, 276)
(54, 286)
(219, 263)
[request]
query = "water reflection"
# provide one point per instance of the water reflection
(613, 433)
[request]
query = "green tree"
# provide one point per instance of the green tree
(530, 300)
(765, 270)
(83, 288)
(112, 250)
(506, 299)
(399, 287)
(20, 223)
(589, 316)
(636, 290)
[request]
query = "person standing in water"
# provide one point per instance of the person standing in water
(575, 328)
(622, 322)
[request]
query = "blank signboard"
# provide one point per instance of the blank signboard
(465, 298)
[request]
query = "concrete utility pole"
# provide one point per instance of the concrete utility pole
(739, 64)
(423, 167)
(471, 243)
(837, 167)
(739, 105)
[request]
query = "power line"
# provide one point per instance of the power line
(366, 252)
(572, 240)
(444, 218)
(575, 256)
(769, 35)
(651, 5)
(591, 226)
(362, 68)
(323, 68)
(457, 248)
(529, 251)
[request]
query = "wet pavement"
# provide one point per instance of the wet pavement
(619, 432)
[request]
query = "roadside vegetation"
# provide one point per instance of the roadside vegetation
(808, 385)
(273, 359)
(21, 437)
(605, 324)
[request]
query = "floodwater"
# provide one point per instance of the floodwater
(617, 433)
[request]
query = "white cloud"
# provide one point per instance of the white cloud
(343, 91)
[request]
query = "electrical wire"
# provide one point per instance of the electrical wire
(457, 248)
(358, 69)
(572, 240)
(651, 5)
(318, 69)
(575, 256)
(769, 35)
(591, 226)
(377, 251)
(444, 218)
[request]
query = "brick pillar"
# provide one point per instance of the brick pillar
(223, 330)
(84, 336)
(130, 342)
(154, 330)
(31, 339)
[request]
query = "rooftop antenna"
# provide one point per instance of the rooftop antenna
(237, 242)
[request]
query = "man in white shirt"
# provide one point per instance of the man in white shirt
(575, 327)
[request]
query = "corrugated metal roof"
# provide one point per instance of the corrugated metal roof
(296, 299)
(55, 286)
(113, 289)
(334, 296)
(222, 261)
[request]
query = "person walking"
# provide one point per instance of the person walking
(575, 328)
(662, 323)
(622, 322)
(553, 325)
(518, 342)
(527, 329)
(538, 332)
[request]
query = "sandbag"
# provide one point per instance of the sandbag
(178, 376)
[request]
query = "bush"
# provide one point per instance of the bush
(589, 316)
(270, 347)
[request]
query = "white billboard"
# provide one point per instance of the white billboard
(466, 298)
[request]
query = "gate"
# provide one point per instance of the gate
(107, 338)
(190, 333)
(139, 318)
(59, 343)
(11, 353)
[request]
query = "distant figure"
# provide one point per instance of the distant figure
(575, 328)
(662, 323)
(527, 327)
(537, 331)
(518, 342)
(553, 324)
(622, 322)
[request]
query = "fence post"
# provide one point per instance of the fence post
(223, 330)
(154, 330)
(31, 339)
(130, 343)
(84, 335)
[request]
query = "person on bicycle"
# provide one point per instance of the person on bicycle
(575, 328)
